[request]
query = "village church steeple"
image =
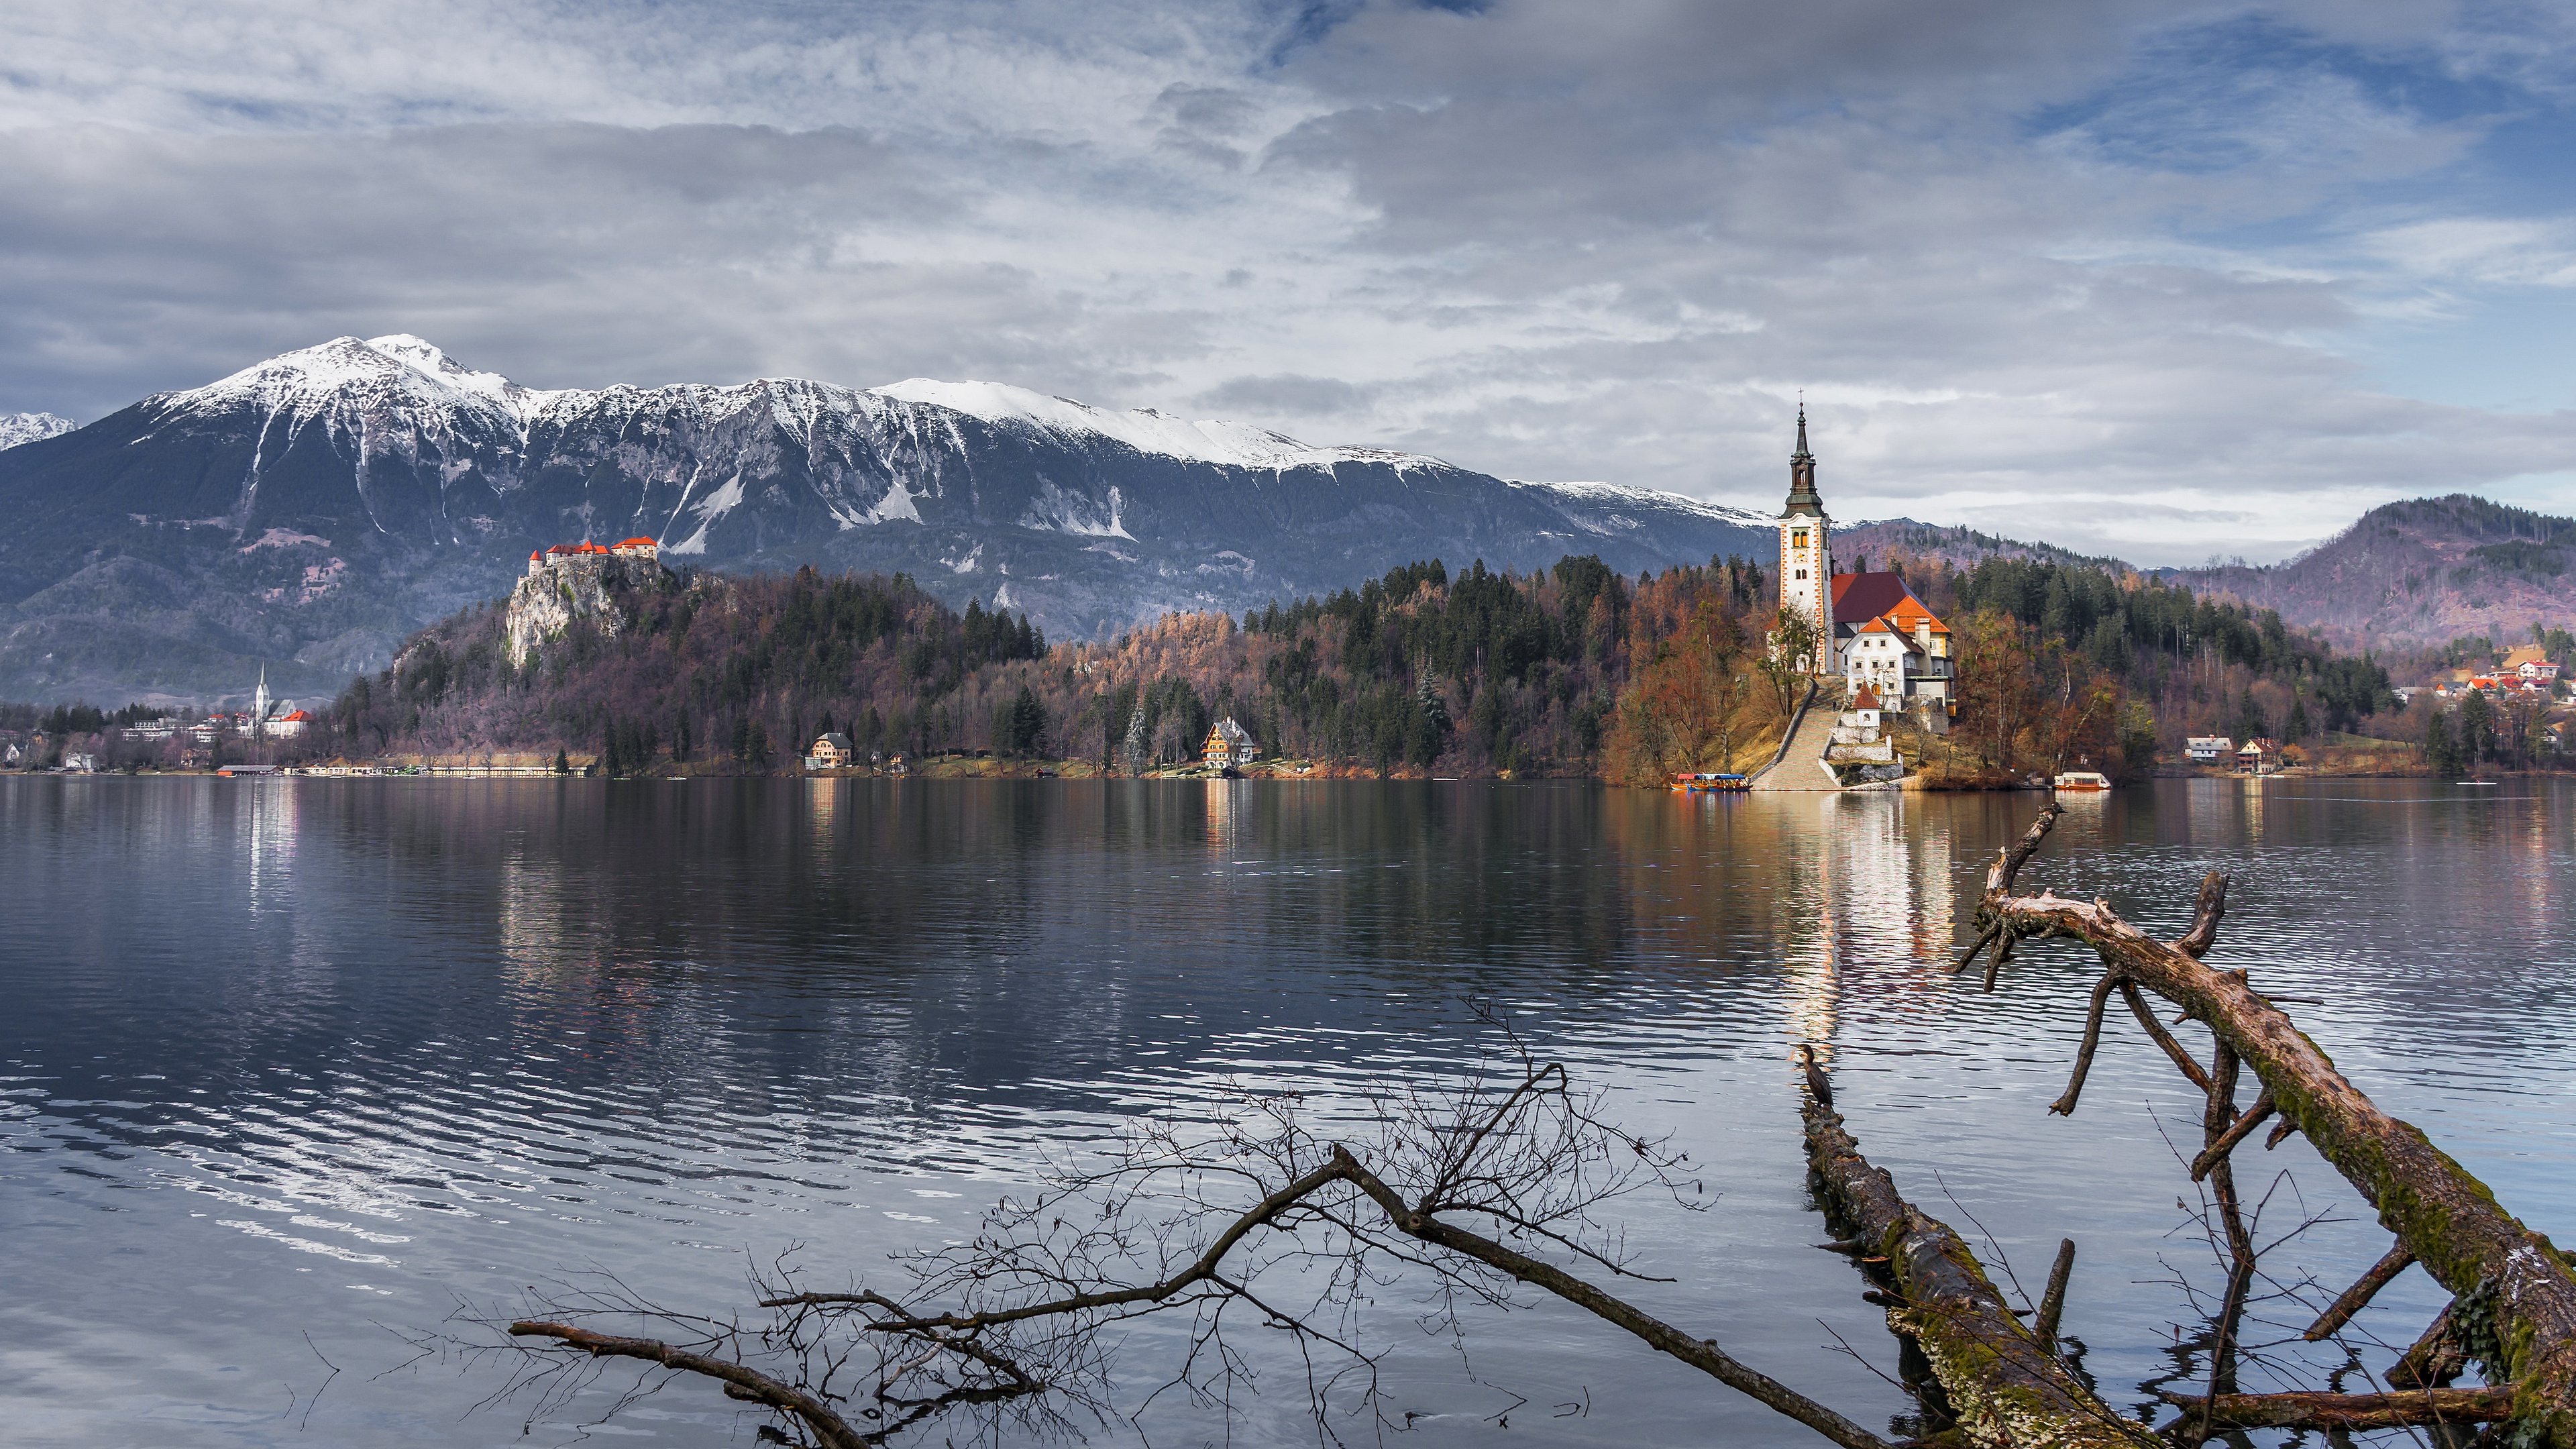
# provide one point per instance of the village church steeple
(1806, 553)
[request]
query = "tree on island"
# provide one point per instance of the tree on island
(1278, 1217)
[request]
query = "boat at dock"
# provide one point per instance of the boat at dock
(2083, 780)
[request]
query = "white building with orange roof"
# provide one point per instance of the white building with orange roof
(1870, 628)
(1902, 654)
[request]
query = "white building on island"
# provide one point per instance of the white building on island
(1869, 627)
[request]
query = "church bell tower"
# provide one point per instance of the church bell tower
(1806, 553)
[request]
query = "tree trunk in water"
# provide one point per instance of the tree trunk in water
(2005, 1386)
(2443, 1216)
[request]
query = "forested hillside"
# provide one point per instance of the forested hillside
(1420, 670)
(2190, 664)
(1574, 670)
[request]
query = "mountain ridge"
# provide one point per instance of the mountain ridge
(312, 509)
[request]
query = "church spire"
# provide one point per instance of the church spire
(1803, 498)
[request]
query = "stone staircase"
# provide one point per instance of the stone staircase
(1800, 764)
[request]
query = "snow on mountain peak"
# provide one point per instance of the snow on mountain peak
(16, 428)
(317, 379)
(432, 362)
(1147, 430)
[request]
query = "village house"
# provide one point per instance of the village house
(1229, 746)
(2529, 662)
(2209, 749)
(831, 752)
(2258, 756)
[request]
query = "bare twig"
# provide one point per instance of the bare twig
(2064, 1106)
(2226, 1141)
(2358, 1296)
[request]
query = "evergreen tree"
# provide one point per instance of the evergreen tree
(2250, 723)
(2477, 728)
(2441, 754)
(563, 764)
(2298, 727)
(1018, 724)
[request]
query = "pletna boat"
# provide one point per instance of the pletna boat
(2083, 780)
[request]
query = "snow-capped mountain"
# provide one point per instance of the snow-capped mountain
(16, 428)
(314, 507)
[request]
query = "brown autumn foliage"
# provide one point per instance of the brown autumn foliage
(1420, 671)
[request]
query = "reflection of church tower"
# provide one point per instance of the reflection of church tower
(1806, 552)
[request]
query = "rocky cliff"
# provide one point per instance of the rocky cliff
(583, 586)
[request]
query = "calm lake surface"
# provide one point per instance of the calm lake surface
(289, 1069)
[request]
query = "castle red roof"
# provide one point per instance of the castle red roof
(639, 543)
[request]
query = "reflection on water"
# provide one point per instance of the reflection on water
(292, 1057)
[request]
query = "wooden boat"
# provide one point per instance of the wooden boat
(2083, 780)
(1689, 782)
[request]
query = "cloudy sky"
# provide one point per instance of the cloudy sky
(2163, 280)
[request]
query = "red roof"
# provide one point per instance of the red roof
(1862, 597)
(1866, 699)
(564, 548)
(297, 715)
(639, 543)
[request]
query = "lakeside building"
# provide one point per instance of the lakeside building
(2259, 756)
(1229, 745)
(1869, 628)
(831, 751)
(2209, 749)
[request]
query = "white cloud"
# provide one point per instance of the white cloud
(2087, 272)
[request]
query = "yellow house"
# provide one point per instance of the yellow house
(1229, 745)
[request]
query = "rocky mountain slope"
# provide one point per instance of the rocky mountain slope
(2423, 572)
(313, 509)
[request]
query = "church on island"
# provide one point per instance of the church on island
(1867, 628)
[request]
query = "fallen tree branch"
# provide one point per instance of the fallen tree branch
(740, 1382)
(2439, 1212)
(2217, 1151)
(2347, 1411)
(2435, 1360)
(2357, 1297)
(2005, 1384)
(1033, 1290)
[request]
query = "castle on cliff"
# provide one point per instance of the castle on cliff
(585, 551)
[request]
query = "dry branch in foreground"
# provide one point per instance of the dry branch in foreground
(2442, 1216)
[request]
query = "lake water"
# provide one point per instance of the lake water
(290, 1069)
